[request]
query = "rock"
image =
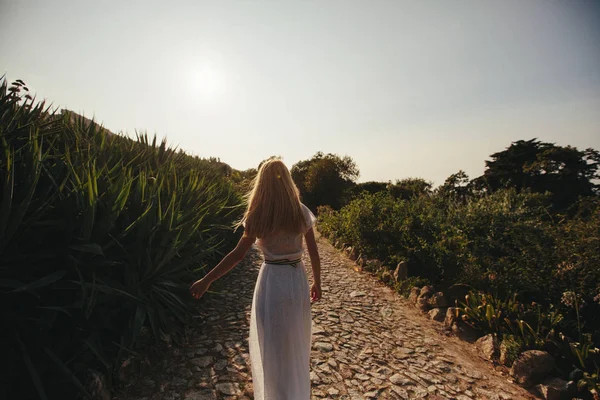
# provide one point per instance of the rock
(426, 291)
(437, 314)
(401, 271)
(322, 346)
(357, 293)
(220, 364)
(202, 362)
(353, 254)
(361, 261)
(555, 389)
(414, 294)
(423, 304)
(438, 300)
(488, 346)
(386, 277)
(228, 388)
(451, 315)
(531, 366)
(399, 380)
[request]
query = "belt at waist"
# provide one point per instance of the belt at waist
(285, 261)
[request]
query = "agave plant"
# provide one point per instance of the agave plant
(100, 235)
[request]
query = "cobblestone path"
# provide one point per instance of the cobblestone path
(368, 343)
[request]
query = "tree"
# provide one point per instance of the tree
(410, 187)
(565, 172)
(457, 186)
(325, 179)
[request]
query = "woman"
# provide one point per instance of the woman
(280, 322)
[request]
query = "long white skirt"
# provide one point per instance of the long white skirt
(280, 333)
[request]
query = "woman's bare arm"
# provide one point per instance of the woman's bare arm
(313, 252)
(230, 260)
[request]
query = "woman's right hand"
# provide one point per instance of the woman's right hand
(198, 288)
(315, 292)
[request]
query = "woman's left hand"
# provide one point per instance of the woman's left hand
(315, 292)
(198, 288)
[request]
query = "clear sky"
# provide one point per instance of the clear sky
(406, 88)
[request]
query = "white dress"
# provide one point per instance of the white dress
(280, 321)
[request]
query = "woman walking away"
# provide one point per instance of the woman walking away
(280, 320)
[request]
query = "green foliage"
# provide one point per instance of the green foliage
(100, 235)
(513, 347)
(580, 360)
(404, 287)
(325, 179)
(530, 324)
(487, 313)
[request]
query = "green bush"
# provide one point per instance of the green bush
(100, 235)
(503, 243)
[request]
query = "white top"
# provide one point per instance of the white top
(286, 245)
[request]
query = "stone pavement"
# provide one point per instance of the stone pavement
(368, 343)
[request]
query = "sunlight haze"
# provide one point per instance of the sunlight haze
(405, 88)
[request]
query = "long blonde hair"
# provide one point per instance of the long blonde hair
(273, 203)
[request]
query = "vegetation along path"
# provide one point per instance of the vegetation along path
(367, 343)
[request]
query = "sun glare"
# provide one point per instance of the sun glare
(206, 82)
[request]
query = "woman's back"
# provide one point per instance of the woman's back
(285, 245)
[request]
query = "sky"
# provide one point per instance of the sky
(406, 88)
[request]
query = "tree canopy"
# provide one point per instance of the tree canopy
(565, 172)
(325, 179)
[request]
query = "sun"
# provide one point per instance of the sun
(206, 82)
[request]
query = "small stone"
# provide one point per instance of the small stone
(362, 377)
(451, 316)
(322, 346)
(437, 314)
(220, 364)
(401, 271)
(228, 388)
(414, 294)
(488, 346)
(333, 391)
(202, 362)
(438, 300)
(531, 366)
(555, 389)
(398, 379)
(314, 378)
(357, 293)
(426, 291)
(423, 304)
(353, 254)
